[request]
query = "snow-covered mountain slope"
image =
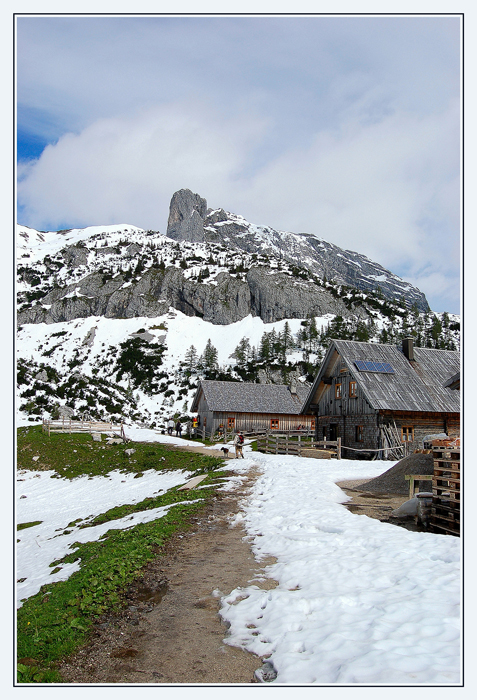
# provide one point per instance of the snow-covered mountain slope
(79, 363)
(190, 220)
(144, 369)
(122, 322)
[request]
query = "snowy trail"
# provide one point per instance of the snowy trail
(357, 601)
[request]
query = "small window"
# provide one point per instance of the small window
(353, 390)
(230, 422)
(274, 423)
(407, 434)
(205, 421)
(313, 423)
(359, 433)
(337, 391)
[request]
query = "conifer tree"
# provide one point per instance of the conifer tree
(190, 361)
(209, 360)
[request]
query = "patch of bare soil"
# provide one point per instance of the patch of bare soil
(376, 505)
(171, 631)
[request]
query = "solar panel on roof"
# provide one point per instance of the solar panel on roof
(369, 366)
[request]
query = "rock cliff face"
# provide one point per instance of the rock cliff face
(271, 296)
(303, 249)
(186, 217)
(212, 264)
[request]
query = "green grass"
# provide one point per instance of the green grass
(59, 618)
(23, 526)
(77, 455)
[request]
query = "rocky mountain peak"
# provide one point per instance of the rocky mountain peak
(187, 212)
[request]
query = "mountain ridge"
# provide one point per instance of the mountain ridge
(211, 264)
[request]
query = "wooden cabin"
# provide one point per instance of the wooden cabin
(372, 395)
(232, 406)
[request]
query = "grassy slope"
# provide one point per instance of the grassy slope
(59, 618)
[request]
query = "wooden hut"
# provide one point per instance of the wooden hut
(373, 396)
(233, 406)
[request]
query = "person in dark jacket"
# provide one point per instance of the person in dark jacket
(178, 429)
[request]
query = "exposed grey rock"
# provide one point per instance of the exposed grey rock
(307, 250)
(272, 296)
(144, 336)
(186, 216)
(89, 337)
(266, 673)
(75, 255)
(275, 296)
(225, 298)
(42, 376)
(65, 412)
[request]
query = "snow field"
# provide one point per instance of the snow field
(182, 332)
(358, 601)
(58, 502)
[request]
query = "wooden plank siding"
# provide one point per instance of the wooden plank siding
(365, 408)
(211, 405)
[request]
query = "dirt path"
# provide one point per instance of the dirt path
(171, 631)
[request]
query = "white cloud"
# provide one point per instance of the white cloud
(126, 169)
(387, 189)
(342, 127)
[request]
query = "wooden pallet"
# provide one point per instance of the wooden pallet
(445, 509)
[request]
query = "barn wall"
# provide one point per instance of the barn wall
(250, 422)
(346, 430)
(346, 405)
(424, 424)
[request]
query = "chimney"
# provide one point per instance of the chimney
(408, 348)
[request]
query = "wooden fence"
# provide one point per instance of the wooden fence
(296, 443)
(66, 425)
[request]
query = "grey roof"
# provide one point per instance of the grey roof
(415, 386)
(243, 397)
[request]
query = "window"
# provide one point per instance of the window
(353, 390)
(205, 421)
(359, 433)
(337, 391)
(407, 433)
(313, 423)
(230, 422)
(274, 423)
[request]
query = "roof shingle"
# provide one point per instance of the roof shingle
(244, 397)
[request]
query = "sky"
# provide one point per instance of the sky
(344, 127)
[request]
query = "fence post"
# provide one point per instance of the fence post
(299, 445)
(338, 448)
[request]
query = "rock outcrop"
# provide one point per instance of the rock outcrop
(187, 212)
(271, 296)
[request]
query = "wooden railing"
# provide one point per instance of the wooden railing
(67, 425)
(296, 443)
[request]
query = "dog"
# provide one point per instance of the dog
(225, 450)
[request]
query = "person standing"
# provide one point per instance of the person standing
(170, 426)
(178, 429)
(238, 444)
